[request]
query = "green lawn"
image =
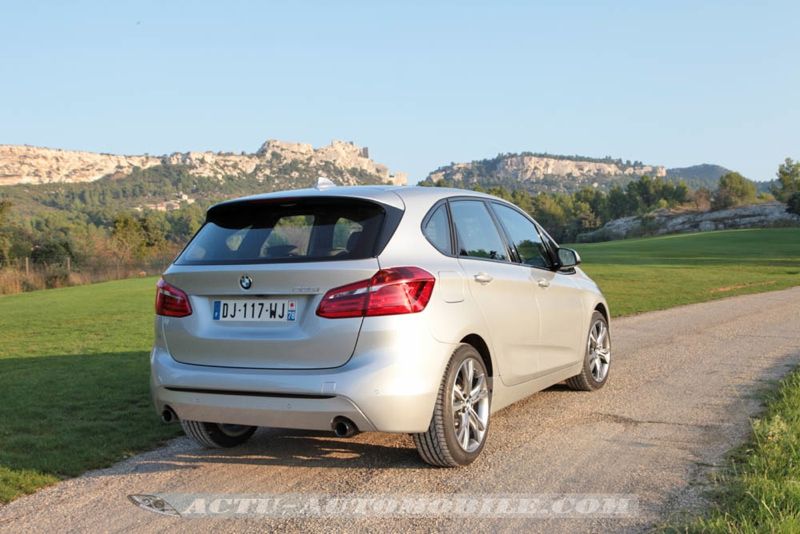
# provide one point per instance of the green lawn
(74, 382)
(74, 361)
(640, 275)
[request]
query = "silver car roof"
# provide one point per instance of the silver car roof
(392, 195)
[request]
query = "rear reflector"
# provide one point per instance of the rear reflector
(171, 301)
(392, 291)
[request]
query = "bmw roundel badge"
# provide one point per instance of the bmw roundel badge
(246, 282)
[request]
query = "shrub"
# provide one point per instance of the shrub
(734, 190)
(788, 180)
(793, 203)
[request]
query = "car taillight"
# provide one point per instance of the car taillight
(389, 292)
(171, 301)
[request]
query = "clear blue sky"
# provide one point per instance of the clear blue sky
(420, 83)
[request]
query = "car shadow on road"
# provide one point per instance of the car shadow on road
(308, 448)
(271, 446)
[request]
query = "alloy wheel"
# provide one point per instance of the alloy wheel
(599, 348)
(470, 405)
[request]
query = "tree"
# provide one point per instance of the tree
(128, 241)
(184, 223)
(155, 227)
(618, 205)
(679, 193)
(702, 199)
(584, 219)
(596, 199)
(788, 180)
(644, 193)
(734, 190)
(550, 214)
(793, 203)
(5, 209)
(523, 199)
(51, 251)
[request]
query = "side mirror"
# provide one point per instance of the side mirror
(568, 258)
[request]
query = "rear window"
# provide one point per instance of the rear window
(286, 230)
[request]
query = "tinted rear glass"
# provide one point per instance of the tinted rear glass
(286, 231)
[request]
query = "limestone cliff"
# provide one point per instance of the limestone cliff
(22, 164)
(542, 172)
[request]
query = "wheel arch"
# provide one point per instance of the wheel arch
(603, 309)
(483, 349)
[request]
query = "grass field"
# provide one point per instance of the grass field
(74, 381)
(640, 275)
(74, 361)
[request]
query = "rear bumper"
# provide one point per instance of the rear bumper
(388, 385)
(273, 411)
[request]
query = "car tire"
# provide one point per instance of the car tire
(597, 360)
(460, 423)
(217, 436)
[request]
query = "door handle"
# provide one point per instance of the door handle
(543, 282)
(483, 278)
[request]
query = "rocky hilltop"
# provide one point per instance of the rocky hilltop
(542, 172)
(346, 162)
(22, 164)
(664, 221)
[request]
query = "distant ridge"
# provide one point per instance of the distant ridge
(696, 176)
(541, 172)
(344, 162)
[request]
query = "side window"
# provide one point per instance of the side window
(437, 230)
(524, 236)
(477, 233)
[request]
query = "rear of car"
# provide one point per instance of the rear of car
(279, 314)
(413, 310)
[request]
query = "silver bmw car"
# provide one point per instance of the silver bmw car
(389, 309)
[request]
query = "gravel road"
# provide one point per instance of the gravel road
(684, 385)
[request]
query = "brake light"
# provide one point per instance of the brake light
(171, 301)
(392, 291)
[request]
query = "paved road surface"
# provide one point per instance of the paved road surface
(680, 395)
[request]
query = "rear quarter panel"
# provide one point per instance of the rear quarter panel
(451, 314)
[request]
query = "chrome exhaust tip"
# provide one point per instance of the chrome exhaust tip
(343, 427)
(169, 415)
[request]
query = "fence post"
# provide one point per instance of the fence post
(69, 265)
(27, 266)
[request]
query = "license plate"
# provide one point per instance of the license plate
(255, 310)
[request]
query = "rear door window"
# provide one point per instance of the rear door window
(476, 231)
(286, 231)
